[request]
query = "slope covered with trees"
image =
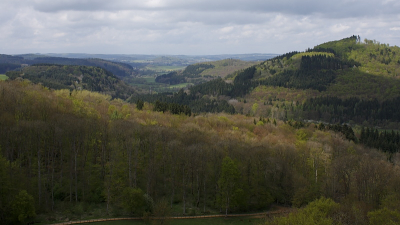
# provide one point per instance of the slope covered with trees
(344, 71)
(72, 153)
(10, 63)
(74, 78)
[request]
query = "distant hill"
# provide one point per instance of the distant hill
(74, 78)
(8, 63)
(201, 72)
(345, 81)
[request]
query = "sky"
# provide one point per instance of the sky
(191, 27)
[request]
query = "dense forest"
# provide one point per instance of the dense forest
(11, 63)
(74, 78)
(301, 130)
(71, 152)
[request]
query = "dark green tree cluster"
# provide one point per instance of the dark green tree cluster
(117, 68)
(195, 70)
(302, 79)
(214, 87)
(171, 78)
(332, 109)
(74, 77)
(195, 101)
(385, 140)
(346, 130)
(322, 62)
(4, 67)
(173, 108)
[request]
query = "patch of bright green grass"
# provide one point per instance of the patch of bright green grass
(3, 77)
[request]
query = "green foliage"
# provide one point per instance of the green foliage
(134, 201)
(22, 207)
(139, 104)
(230, 192)
(384, 217)
(75, 78)
(161, 211)
(317, 212)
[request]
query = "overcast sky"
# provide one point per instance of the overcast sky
(190, 27)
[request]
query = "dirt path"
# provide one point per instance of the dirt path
(278, 211)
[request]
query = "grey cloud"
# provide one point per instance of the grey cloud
(340, 8)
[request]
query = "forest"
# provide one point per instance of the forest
(56, 76)
(11, 63)
(66, 155)
(307, 130)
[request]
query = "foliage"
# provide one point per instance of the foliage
(229, 185)
(22, 207)
(71, 149)
(384, 216)
(317, 212)
(134, 201)
(75, 78)
(9, 63)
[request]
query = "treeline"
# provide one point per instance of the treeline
(332, 109)
(193, 71)
(171, 78)
(323, 62)
(4, 67)
(197, 103)
(174, 108)
(74, 77)
(117, 68)
(387, 141)
(347, 131)
(302, 79)
(60, 151)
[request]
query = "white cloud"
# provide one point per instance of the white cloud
(339, 28)
(189, 26)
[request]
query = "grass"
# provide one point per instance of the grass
(216, 221)
(3, 77)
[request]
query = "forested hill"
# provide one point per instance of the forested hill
(201, 72)
(345, 81)
(8, 62)
(74, 78)
(67, 156)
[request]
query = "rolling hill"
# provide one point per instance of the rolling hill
(74, 78)
(8, 63)
(345, 81)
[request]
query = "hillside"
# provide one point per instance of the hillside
(201, 72)
(74, 155)
(331, 82)
(8, 63)
(74, 78)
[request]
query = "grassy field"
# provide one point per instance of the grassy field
(3, 77)
(213, 221)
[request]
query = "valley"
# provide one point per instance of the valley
(101, 137)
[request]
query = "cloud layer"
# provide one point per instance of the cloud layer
(190, 26)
